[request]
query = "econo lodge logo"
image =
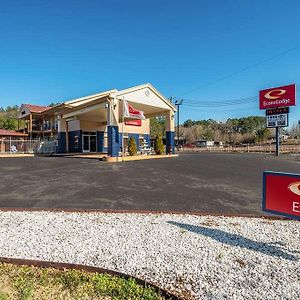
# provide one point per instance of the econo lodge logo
(274, 94)
(294, 187)
(276, 97)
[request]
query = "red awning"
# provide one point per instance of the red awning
(4, 132)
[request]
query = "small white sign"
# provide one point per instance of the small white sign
(280, 120)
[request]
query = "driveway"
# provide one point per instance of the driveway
(193, 182)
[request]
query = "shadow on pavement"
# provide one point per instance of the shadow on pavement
(237, 240)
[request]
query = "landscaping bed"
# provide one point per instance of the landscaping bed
(29, 282)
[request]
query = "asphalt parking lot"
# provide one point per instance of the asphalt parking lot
(226, 183)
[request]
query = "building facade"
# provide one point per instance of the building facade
(96, 123)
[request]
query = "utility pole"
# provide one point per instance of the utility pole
(177, 104)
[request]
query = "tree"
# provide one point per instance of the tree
(8, 123)
(8, 117)
(262, 134)
(157, 126)
(188, 123)
(159, 145)
(132, 149)
(54, 104)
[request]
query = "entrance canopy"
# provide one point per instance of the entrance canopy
(94, 108)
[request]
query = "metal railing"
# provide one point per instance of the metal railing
(21, 146)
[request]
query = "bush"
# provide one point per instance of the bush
(132, 149)
(159, 145)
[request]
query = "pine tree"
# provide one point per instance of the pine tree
(132, 149)
(159, 145)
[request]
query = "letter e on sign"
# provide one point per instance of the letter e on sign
(281, 194)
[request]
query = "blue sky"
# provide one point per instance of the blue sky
(52, 51)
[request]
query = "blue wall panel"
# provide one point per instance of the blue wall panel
(61, 139)
(100, 141)
(113, 141)
(75, 141)
(170, 142)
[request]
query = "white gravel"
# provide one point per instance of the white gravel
(200, 257)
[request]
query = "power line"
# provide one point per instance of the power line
(222, 104)
(207, 111)
(220, 101)
(245, 69)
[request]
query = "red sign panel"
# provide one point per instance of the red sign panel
(134, 123)
(278, 97)
(281, 194)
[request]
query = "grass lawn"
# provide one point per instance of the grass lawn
(25, 283)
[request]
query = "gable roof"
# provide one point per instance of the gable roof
(150, 87)
(86, 99)
(36, 108)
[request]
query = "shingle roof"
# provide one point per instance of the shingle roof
(4, 132)
(36, 108)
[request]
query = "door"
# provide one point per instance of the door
(85, 143)
(93, 143)
(89, 141)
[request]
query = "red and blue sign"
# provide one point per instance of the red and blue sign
(281, 194)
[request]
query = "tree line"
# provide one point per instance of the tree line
(237, 130)
(234, 130)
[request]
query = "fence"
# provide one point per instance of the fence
(270, 148)
(10, 146)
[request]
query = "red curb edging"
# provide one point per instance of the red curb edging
(90, 269)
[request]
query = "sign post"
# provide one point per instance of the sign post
(276, 102)
(277, 141)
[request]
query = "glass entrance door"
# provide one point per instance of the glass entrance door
(89, 141)
(85, 143)
(93, 143)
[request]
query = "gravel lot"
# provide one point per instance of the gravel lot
(200, 257)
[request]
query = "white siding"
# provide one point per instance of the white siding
(144, 96)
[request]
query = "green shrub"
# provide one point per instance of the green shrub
(159, 145)
(132, 149)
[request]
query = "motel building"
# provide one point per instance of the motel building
(96, 123)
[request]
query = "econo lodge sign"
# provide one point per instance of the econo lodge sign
(278, 97)
(281, 194)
